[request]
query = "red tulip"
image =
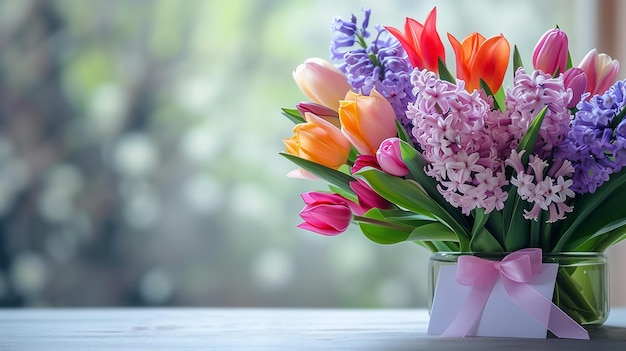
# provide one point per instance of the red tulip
(421, 42)
(479, 58)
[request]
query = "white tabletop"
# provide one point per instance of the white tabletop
(261, 329)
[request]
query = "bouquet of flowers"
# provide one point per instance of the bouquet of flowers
(457, 162)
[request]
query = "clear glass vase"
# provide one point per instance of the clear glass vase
(582, 283)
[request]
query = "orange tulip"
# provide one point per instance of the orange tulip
(477, 58)
(421, 42)
(319, 141)
(367, 120)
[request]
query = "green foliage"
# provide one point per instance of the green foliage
(293, 115)
(411, 196)
(444, 73)
(517, 59)
(330, 175)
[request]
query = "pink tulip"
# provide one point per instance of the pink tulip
(576, 80)
(389, 157)
(367, 120)
(321, 82)
(364, 161)
(368, 198)
(326, 214)
(601, 71)
(319, 110)
(550, 54)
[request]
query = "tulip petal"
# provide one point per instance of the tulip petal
(407, 44)
(491, 61)
(462, 71)
(431, 46)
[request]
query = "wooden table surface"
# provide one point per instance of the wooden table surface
(261, 329)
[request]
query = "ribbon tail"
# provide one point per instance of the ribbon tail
(544, 311)
(472, 310)
(563, 326)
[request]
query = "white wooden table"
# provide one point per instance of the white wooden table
(260, 329)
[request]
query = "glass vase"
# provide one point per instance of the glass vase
(582, 282)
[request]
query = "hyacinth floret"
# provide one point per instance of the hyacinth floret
(382, 64)
(529, 94)
(547, 191)
(596, 143)
(449, 126)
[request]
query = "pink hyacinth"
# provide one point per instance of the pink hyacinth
(524, 101)
(547, 193)
(449, 124)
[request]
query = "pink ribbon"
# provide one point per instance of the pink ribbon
(517, 271)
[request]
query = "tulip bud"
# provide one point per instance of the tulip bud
(321, 82)
(364, 161)
(326, 214)
(319, 110)
(550, 54)
(389, 157)
(367, 197)
(367, 120)
(576, 80)
(601, 71)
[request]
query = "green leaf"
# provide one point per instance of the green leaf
(409, 195)
(517, 235)
(484, 241)
(514, 226)
(517, 59)
(294, 115)
(402, 134)
(416, 163)
(584, 209)
(500, 98)
(608, 240)
(485, 87)
(569, 61)
(608, 216)
(330, 175)
(348, 195)
(530, 139)
(444, 73)
(377, 227)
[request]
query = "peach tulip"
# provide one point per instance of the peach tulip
(367, 120)
(321, 82)
(601, 71)
(479, 58)
(319, 141)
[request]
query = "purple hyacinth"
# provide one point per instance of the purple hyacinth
(382, 65)
(596, 143)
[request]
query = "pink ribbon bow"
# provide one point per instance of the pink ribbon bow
(517, 270)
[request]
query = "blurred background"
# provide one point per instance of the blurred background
(139, 146)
